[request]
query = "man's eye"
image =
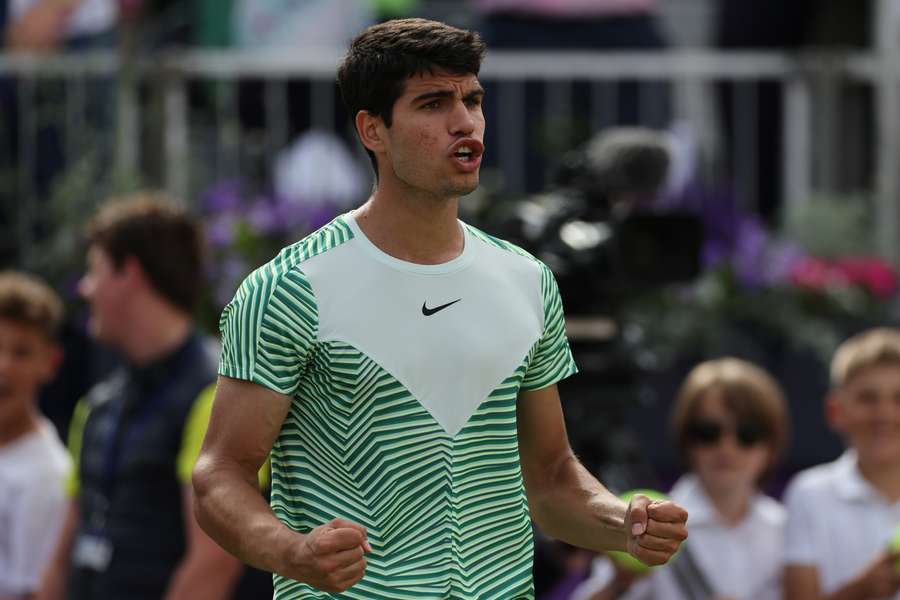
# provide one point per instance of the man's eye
(431, 105)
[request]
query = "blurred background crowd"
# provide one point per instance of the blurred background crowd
(706, 178)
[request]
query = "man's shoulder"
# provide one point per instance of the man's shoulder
(38, 458)
(509, 250)
(287, 264)
(499, 243)
(107, 389)
(814, 481)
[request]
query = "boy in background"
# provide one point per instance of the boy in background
(33, 462)
(842, 515)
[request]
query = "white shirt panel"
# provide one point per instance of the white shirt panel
(32, 506)
(742, 562)
(450, 360)
(837, 521)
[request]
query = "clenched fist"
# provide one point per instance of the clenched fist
(655, 529)
(331, 557)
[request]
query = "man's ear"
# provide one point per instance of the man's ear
(834, 411)
(370, 129)
(133, 271)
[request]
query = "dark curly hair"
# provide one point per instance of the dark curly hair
(381, 58)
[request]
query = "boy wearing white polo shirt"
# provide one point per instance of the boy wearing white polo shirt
(842, 515)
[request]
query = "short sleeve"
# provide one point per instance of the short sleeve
(268, 329)
(76, 435)
(36, 521)
(193, 434)
(551, 358)
(799, 543)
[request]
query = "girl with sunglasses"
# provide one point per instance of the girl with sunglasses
(730, 423)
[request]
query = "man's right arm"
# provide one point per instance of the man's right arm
(878, 579)
(245, 422)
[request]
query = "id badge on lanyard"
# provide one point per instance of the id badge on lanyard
(93, 549)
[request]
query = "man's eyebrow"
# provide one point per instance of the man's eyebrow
(433, 95)
(476, 93)
(436, 94)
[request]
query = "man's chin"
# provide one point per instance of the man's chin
(464, 189)
(98, 332)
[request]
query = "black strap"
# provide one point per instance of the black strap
(690, 579)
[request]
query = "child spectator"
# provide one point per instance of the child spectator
(842, 515)
(33, 461)
(730, 423)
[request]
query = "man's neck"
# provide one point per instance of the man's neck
(17, 424)
(418, 230)
(883, 477)
(157, 330)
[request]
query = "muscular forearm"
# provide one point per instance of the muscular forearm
(569, 504)
(230, 509)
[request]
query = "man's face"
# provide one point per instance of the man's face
(436, 139)
(866, 411)
(106, 290)
(27, 361)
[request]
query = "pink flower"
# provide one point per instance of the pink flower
(872, 274)
(816, 274)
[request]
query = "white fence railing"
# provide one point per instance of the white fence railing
(813, 107)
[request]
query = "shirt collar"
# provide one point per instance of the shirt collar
(849, 482)
(688, 492)
(148, 377)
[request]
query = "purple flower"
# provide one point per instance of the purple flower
(222, 197)
(749, 255)
(783, 259)
(220, 230)
(263, 217)
(227, 277)
(292, 213)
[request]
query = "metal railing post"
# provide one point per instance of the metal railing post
(887, 151)
(797, 143)
(176, 145)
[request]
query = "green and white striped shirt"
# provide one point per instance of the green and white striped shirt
(404, 379)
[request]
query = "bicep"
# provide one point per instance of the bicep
(543, 442)
(245, 420)
(801, 582)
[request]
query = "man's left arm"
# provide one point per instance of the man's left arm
(207, 572)
(568, 503)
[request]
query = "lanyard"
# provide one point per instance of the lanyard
(131, 417)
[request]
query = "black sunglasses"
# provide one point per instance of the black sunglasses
(706, 432)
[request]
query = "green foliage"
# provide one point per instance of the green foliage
(58, 254)
(830, 227)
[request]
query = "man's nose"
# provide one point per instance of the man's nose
(462, 121)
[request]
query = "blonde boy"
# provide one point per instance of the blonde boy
(33, 461)
(842, 515)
